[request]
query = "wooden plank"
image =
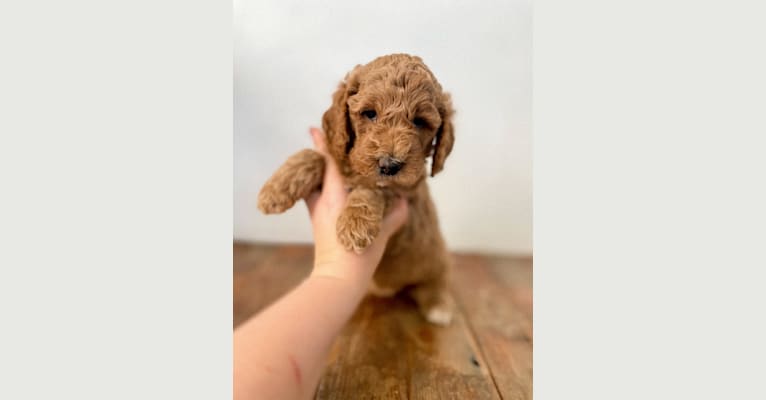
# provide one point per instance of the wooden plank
(497, 303)
(388, 351)
(248, 255)
(263, 273)
(516, 274)
(363, 362)
(451, 366)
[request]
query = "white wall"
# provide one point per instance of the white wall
(289, 58)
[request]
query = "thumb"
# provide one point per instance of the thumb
(333, 180)
(395, 218)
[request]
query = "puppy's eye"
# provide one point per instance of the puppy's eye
(420, 123)
(370, 114)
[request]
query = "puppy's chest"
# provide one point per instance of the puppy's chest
(421, 231)
(412, 254)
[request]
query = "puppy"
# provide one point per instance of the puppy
(387, 118)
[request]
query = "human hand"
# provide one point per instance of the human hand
(331, 259)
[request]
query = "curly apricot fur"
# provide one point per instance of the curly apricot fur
(394, 108)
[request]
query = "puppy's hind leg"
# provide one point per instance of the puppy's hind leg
(434, 301)
(301, 174)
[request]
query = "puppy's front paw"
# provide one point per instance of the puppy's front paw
(272, 201)
(356, 230)
(294, 180)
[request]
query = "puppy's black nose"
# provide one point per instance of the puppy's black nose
(389, 166)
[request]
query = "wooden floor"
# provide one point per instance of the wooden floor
(387, 351)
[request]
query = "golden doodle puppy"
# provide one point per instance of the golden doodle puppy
(387, 119)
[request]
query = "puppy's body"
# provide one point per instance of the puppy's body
(387, 118)
(416, 259)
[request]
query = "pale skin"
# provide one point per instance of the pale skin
(281, 352)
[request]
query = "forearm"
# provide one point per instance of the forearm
(281, 352)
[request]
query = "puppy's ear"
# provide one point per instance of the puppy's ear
(445, 136)
(336, 122)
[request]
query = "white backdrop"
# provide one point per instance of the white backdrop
(289, 58)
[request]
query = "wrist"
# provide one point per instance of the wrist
(353, 272)
(354, 283)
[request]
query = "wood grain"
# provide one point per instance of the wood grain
(264, 273)
(500, 319)
(388, 351)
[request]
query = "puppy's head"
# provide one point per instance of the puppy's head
(386, 119)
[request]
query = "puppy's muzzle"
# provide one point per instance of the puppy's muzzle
(389, 166)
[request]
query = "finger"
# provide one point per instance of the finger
(395, 218)
(319, 140)
(333, 180)
(311, 201)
